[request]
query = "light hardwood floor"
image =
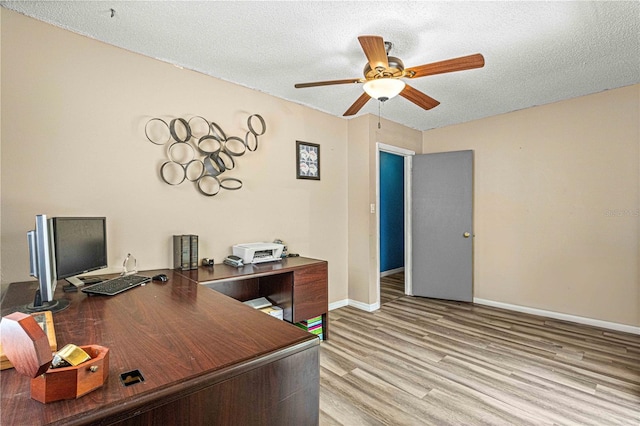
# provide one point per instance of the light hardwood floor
(420, 361)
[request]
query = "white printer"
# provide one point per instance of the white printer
(258, 252)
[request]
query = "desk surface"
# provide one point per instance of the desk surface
(178, 334)
(222, 272)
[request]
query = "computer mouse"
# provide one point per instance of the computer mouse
(161, 277)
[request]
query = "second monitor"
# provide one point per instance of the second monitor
(80, 245)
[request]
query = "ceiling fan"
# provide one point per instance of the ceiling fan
(383, 75)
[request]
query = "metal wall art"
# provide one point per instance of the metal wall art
(199, 151)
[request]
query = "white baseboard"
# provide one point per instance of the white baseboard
(364, 306)
(355, 304)
(339, 304)
(391, 271)
(560, 316)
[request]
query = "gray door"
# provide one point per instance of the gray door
(442, 218)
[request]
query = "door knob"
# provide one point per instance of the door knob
(466, 235)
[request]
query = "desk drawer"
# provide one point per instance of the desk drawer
(309, 301)
(311, 274)
(310, 294)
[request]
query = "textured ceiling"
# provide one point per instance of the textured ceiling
(535, 52)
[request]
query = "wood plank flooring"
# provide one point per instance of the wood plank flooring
(391, 287)
(420, 361)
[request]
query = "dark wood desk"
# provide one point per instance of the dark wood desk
(298, 285)
(206, 359)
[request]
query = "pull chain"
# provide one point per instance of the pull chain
(379, 114)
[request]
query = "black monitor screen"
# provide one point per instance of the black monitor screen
(80, 245)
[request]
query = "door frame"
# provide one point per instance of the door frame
(408, 157)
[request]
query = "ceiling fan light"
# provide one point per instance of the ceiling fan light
(383, 89)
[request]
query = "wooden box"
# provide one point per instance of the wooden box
(45, 321)
(27, 347)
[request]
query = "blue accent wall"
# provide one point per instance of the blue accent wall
(391, 211)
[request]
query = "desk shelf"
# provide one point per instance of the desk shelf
(298, 285)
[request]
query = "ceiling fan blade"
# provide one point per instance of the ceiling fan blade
(373, 47)
(450, 65)
(418, 98)
(328, 83)
(357, 105)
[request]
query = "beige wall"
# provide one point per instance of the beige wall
(557, 199)
(358, 209)
(73, 143)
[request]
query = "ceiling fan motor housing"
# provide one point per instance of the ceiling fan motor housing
(394, 70)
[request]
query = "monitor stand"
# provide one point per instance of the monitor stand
(38, 305)
(82, 281)
(75, 281)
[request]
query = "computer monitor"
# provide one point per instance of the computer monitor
(80, 246)
(63, 247)
(42, 266)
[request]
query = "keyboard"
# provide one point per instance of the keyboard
(116, 285)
